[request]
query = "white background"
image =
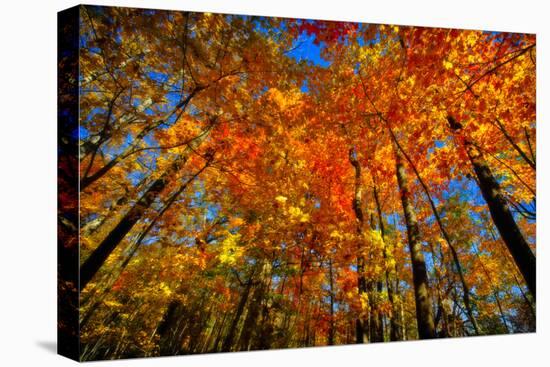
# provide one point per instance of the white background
(28, 182)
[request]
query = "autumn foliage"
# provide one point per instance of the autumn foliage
(238, 195)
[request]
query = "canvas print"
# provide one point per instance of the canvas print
(234, 182)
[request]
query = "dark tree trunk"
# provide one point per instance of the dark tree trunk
(456, 260)
(424, 315)
(169, 329)
(513, 271)
(376, 327)
(106, 247)
(228, 341)
(361, 326)
(250, 322)
(250, 327)
(265, 335)
(198, 320)
(181, 322)
(219, 334)
(503, 218)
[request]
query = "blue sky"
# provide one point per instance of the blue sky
(306, 49)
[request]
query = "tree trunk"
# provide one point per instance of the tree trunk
(522, 154)
(456, 260)
(376, 326)
(513, 269)
(219, 334)
(376, 323)
(170, 327)
(250, 328)
(396, 332)
(424, 315)
(249, 325)
(442, 313)
(503, 218)
(331, 335)
(360, 324)
(228, 341)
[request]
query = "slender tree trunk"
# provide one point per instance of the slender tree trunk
(378, 329)
(454, 254)
(219, 334)
(180, 321)
(376, 326)
(170, 327)
(249, 326)
(501, 312)
(264, 337)
(331, 295)
(360, 324)
(396, 332)
(424, 315)
(402, 313)
(198, 321)
(208, 340)
(522, 154)
(440, 298)
(228, 341)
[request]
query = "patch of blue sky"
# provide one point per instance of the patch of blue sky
(117, 36)
(157, 76)
(83, 133)
(304, 48)
(395, 220)
(439, 144)
(135, 177)
(466, 188)
(94, 111)
(429, 259)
